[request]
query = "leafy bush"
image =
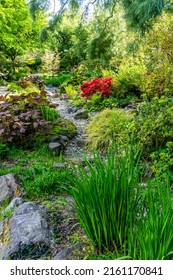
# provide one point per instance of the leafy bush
(14, 87)
(154, 124)
(158, 81)
(82, 74)
(20, 116)
(72, 92)
(107, 204)
(98, 85)
(65, 126)
(162, 161)
(127, 81)
(3, 150)
(108, 127)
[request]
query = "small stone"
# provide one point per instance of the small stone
(14, 203)
(86, 169)
(76, 161)
(59, 165)
(81, 142)
(75, 109)
(57, 147)
(9, 187)
(81, 114)
(69, 252)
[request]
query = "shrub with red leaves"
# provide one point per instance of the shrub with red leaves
(98, 85)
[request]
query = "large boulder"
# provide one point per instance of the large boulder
(9, 187)
(27, 234)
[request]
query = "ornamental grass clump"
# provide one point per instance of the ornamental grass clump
(107, 128)
(106, 199)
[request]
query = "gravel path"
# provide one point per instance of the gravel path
(76, 145)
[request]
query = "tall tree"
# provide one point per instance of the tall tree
(38, 5)
(15, 28)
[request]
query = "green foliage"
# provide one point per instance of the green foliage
(72, 92)
(49, 114)
(108, 127)
(154, 237)
(4, 149)
(130, 75)
(154, 124)
(64, 126)
(162, 161)
(35, 170)
(107, 204)
(141, 14)
(42, 179)
(57, 81)
(15, 23)
(158, 82)
(14, 87)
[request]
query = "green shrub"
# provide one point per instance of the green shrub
(14, 87)
(108, 127)
(82, 74)
(72, 92)
(4, 149)
(106, 199)
(162, 161)
(127, 81)
(158, 81)
(154, 124)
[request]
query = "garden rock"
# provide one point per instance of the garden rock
(62, 139)
(81, 142)
(81, 114)
(14, 203)
(56, 147)
(9, 187)
(27, 234)
(59, 165)
(69, 252)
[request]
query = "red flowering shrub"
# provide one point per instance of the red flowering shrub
(97, 85)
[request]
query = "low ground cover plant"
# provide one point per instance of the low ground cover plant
(35, 171)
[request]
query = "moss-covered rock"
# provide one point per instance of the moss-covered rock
(64, 126)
